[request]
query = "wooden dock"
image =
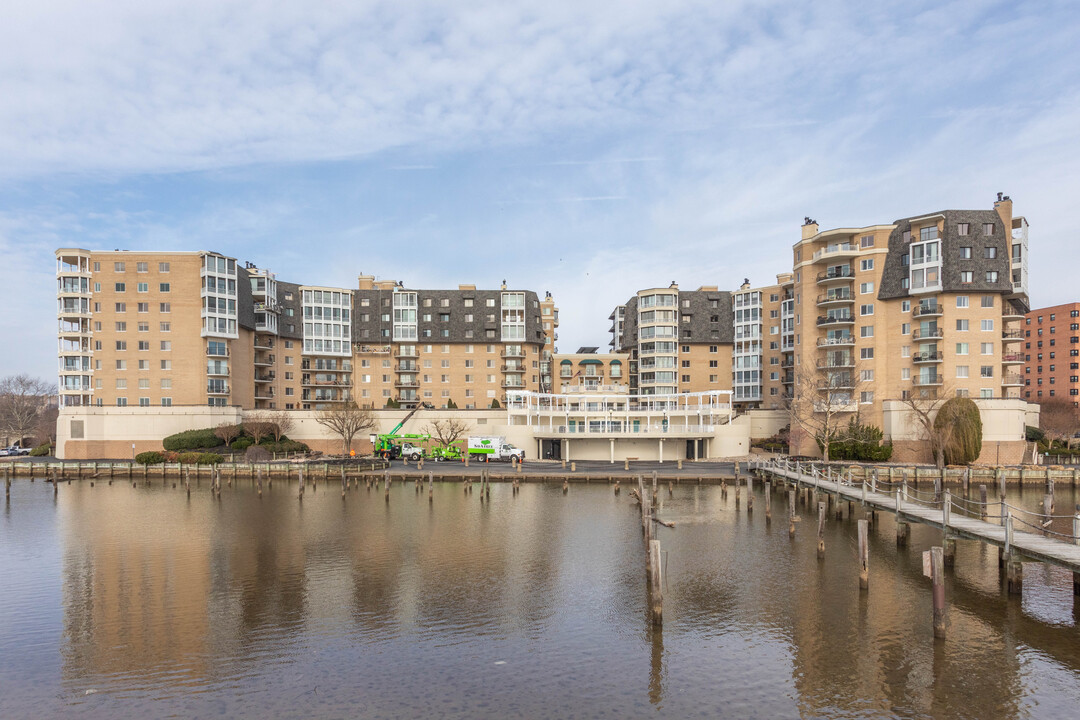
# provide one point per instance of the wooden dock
(939, 508)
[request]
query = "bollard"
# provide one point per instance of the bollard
(573, 467)
(864, 555)
(679, 464)
(626, 464)
(937, 576)
(821, 530)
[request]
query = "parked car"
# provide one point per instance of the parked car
(3, 452)
(16, 450)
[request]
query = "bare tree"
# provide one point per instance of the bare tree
(346, 420)
(824, 399)
(227, 432)
(447, 431)
(258, 425)
(1058, 420)
(283, 424)
(923, 404)
(45, 431)
(22, 401)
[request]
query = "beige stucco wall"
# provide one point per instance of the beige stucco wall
(110, 432)
(767, 423)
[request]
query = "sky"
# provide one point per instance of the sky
(590, 149)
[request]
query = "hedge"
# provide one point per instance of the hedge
(192, 440)
(153, 457)
(285, 446)
(41, 450)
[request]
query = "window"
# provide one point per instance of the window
(142, 267)
(987, 325)
(121, 364)
(988, 228)
(965, 252)
(961, 348)
(866, 353)
(165, 327)
(118, 267)
(962, 325)
(988, 301)
(986, 348)
(905, 306)
(905, 373)
(144, 345)
(905, 328)
(166, 307)
(961, 301)
(121, 402)
(986, 371)
(166, 364)
(989, 252)
(121, 345)
(142, 287)
(163, 267)
(991, 276)
(166, 345)
(867, 264)
(866, 241)
(963, 229)
(866, 331)
(121, 287)
(144, 307)
(961, 371)
(121, 327)
(966, 276)
(121, 383)
(144, 327)
(867, 376)
(866, 288)
(164, 287)
(866, 309)
(166, 401)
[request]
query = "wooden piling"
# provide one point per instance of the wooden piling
(791, 514)
(616, 487)
(1014, 569)
(656, 576)
(736, 494)
(984, 505)
(749, 498)
(937, 576)
(821, 530)
(768, 502)
(864, 555)
(565, 486)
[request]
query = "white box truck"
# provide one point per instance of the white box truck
(493, 447)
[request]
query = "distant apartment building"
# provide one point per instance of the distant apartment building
(201, 328)
(1052, 353)
(589, 372)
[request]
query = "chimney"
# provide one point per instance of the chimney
(809, 228)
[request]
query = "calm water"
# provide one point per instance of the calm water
(117, 602)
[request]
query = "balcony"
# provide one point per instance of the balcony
(1012, 380)
(217, 353)
(1010, 313)
(407, 383)
(927, 380)
(824, 320)
(843, 296)
(1012, 335)
(513, 353)
(400, 353)
(512, 368)
(371, 349)
(839, 381)
(927, 357)
(217, 372)
(831, 275)
(786, 364)
(1012, 359)
(406, 367)
(217, 389)
(263, 343)
(513, 383)
(836, 251)
(268, 377)
(308, 382)
(926, 311)
(836, 341)
(264, 393)
(788, 380)
(262, 362)
(836, 364)
(927, 334)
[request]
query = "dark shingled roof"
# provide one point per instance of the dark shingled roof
(381, 301)
(245, 305)
(701, 327)
(297, 318)
(952, 264)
